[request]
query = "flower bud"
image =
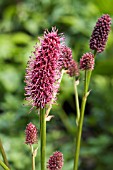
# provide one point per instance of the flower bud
(55, 161)
(87, 62)
(31, 134)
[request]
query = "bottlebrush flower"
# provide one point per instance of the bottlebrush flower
(43, 73)
(100, 33)
(66, 62)
(31, 134)
(87, 62)
(55, 161)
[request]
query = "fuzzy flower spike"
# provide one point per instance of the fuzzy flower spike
(100, 33)
(42, 72)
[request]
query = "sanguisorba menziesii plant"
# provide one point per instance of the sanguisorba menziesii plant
(43, 76)
(97, 44)
(50, 59)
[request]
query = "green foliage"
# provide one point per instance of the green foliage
(21, 22)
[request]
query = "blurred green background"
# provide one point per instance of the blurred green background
(21, 22)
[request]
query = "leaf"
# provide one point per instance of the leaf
(6, 46)
(21, 38)
(10, 78)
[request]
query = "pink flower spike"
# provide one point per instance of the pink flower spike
(87, 62)
(55, 161)
(100, 33)
(42, 72)
(31, 134)
(66, 62)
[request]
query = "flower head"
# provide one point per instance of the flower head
(42, 73)
(66, 61)
(55, 161)
(87, 62)
(31, 134)
(100, 33)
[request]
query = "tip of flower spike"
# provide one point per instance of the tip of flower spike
(100, 33)
(55, 161)
(53, 32)
(87, 62)
(31, 134)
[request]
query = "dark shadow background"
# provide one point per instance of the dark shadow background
(21, 22)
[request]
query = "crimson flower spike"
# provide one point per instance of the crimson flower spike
(55, 161)
(44, 69)
(87, 61)
(100, 33)
(67, 62)
(31, 134)
(42, 72)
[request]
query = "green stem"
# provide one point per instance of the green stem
(43, 138)
(77, 101)
(3, 154)
(33, 158)
(3, 165)
(79, 130)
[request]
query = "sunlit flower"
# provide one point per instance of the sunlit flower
(44, 69)
(100, 33)
(43, 73)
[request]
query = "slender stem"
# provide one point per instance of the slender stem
(33, 158)
(79, 130)
(3, 165)
(77, 101)
(43, 138)
(3, 154)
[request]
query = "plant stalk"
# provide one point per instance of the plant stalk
(3, 165)
(79, 129)
(3, 154)
(43, 138)
(80, 125)
(33, 158)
